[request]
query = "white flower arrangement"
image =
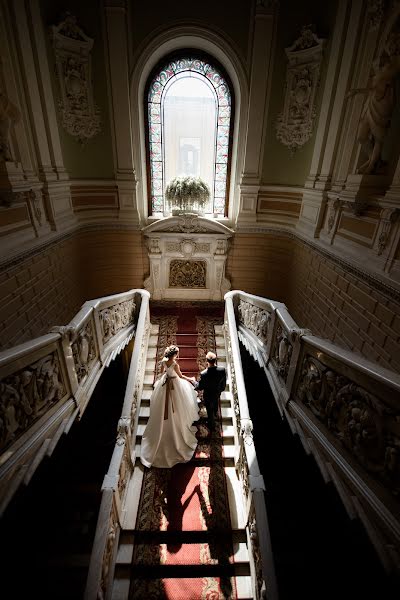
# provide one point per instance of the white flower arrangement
(187, 194)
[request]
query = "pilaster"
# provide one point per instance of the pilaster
(117, 56)
(260, 82)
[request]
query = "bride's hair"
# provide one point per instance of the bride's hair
(169, 352)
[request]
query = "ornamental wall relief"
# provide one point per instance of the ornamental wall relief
(188, 273)
(294, 125)
(79, 115)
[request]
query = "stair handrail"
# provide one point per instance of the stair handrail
(46, 383)
(257, 527)
(120, 471)
(344, 408)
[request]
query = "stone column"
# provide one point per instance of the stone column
(260, 83)
(118, 77)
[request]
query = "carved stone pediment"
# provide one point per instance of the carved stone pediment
(187, 255)
(187, 224)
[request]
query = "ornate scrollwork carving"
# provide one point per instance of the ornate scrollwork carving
(388, 217)
(188, 224)
(256, 551)
(27, 394)
(334, 205)
(84, 350)
(254, 318)
(358, 419)
(124, 429)
(188, 273)
(116, 317)
(153, 245)
(107, 557)
(80, 116)
(282, 352)
(295, 124)
(247, 431)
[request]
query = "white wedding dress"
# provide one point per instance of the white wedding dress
(169, 437)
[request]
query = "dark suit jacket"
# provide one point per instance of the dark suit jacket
(212, 381)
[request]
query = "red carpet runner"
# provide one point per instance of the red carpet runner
(183, 541)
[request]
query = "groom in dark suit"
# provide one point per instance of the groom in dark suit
(212, 381)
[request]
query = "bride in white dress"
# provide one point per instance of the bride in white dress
(169, 437)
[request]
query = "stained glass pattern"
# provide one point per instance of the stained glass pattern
(176, 69)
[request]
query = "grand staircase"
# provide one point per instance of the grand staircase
(179, 538)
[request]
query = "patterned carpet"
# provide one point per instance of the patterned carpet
(183, 541)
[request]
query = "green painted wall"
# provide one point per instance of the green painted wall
(279, 166)
(94, 160)
(229, 17)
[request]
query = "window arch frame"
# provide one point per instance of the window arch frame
(205, 57)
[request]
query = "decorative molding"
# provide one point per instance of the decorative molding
(80, 117)
(294, 125)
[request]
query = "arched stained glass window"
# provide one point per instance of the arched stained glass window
(189, 111)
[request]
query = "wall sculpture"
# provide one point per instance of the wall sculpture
(79, 115)
(294, 124)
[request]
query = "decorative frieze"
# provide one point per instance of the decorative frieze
(294, 125)
(80, 116)
(357, 418)
(28, 394)
(116, 317)
(254, 318)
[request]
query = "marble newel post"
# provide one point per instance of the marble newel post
(260, 84)
(118, 77)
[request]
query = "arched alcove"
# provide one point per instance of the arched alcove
(149, 56)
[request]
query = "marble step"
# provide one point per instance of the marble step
(226, 414)
(229, 454)
(122, 582)
(227, 433)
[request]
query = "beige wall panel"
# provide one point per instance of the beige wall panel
(343, 307)
(361, 228)
(114, 262)
(39, 292)
(259, 264)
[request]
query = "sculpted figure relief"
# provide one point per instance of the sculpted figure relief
(378, 108)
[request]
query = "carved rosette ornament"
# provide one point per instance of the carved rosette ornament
(116, 317)
(361, 422)
(84, 351)
(79, 115)
(254, 318)
(27, 394)
(294, 125)
(187, 273)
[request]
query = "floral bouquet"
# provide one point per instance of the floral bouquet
(187, 194)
